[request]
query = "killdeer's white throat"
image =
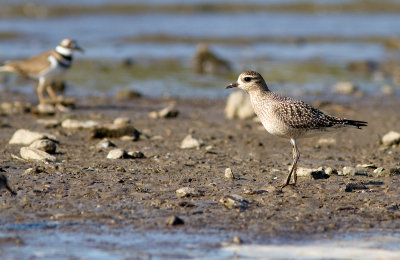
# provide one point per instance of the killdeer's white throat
(46, 67)
(286, 117)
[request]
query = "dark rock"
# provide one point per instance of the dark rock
(127, 94)
(234, 202)
(174, 221)
(355, 186)
(206, 62)
(112, 131)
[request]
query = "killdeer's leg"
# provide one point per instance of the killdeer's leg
(51, 93)
(40, 89)
(293, 168)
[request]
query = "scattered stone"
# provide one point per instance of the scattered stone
(206, 62)
(157, 138)
(15, 108)
(45, 109)
(187, 192)
(116, 154)
(234, 201)
(394, 172)
(391, 138)
(46, 145)
(77, 124)
(345, 88)
(34, 170)
(168, 112)
(363, 66)
(174, 221)
(238, 105)
(189, 143)
(366, 166)
(122, 121)
(228, 174)
(236, 240)
(105, 143)
(329, 170)
(352, 171)
(49, 123)
(355, 186)
(379, 170)
(327, 141)
(136, 155)
(387, 90)
(127, 94)
(29, 153)
(313, 173)
(127, 138)
(26, 137)
(115, 131)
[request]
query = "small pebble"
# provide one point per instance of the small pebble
(187, 192)
(234, 201)
(228, 174)
(116, 154)
(189, 143)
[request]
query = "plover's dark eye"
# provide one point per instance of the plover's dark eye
(247, 79)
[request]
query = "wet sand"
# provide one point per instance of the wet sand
(93, 192)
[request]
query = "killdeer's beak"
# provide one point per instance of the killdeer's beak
(78, 48)
(233, 85)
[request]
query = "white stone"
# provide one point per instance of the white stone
(122, 121)
(229, 174)
(327, 141)
(105, 143)
(116, 154)
(29, 153)
(46, 109)
(77, 124)
(186, 192)
(345, 88)
(304, 172)
(26, 137)
(167, 112)
(189, 143)
(238, 105)
(45, 145)
(391, 138)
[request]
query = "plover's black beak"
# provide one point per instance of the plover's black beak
(233, 85)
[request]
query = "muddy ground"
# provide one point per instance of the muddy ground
(86, 188)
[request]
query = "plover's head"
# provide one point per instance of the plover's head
(249, 81)
(67, 46)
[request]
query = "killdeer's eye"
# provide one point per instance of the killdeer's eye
(247, 79)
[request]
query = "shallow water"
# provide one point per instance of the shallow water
(66, 241)
(109, 36)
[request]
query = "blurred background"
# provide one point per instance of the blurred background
(302, 47)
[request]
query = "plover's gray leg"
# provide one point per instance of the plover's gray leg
(293, 168)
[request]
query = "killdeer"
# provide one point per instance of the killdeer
(45, 67)
(4, 184)
(286, 117)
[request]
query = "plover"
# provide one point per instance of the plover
(287, 117)
(4, 184)
(45, 67)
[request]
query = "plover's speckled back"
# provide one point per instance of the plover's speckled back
(287, 117)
